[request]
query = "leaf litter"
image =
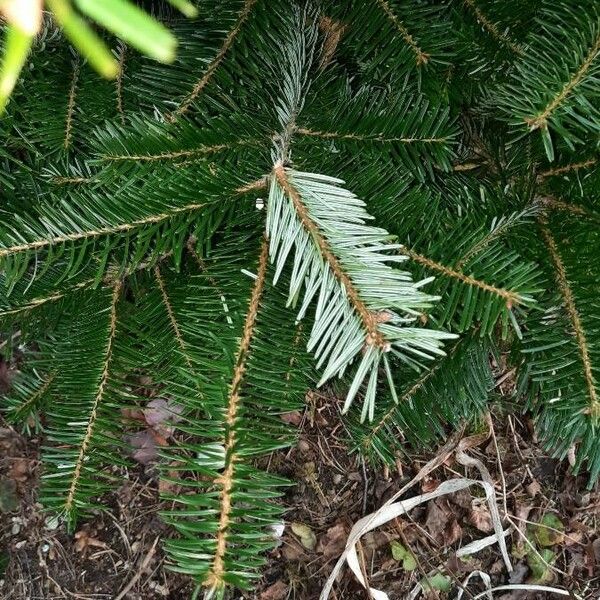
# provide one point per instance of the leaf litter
(328, 498)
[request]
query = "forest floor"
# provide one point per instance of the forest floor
(116, 554)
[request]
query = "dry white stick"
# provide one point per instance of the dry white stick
(478, 545)
(466, 460)
(390, 511)
(486, 580)
(530, 587)
(139, 572)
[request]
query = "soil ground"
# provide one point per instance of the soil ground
(117, 554)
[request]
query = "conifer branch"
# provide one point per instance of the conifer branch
(172, 318)
(75, 237)
(194, 152)
(564, 287)
(215, 577)
(253, 186)
(295, 345)
(85, 442)
(36, 302)
(59, 180)
(26, 405)
(575, 209)
(541, 119)
(496, 232)
(328, 135)
(568, 168)
(109, 280)
(493, 30)
(368, 318)
(210, 278)
(119, 82)
(71, 105)
(511, 298)
(421, 57)
(419, 383)
(214, 64)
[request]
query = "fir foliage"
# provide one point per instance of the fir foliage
(403, 195)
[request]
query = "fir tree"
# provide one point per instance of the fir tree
(428, 172)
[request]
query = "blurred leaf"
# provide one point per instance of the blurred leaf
(15, 54)
(306, 535)
(185, 7)
(25, 15)
(540, 571)
(133, 25)
(84, 38)
(403, 555)
(549, 532)
(437, 582)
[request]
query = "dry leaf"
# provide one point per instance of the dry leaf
(333, 31)
(332, 544)
(144, 446)
(160, 414)
(533, 488)
(277, 591)
(441, 522)
(133, 414)
(167, 485)
(292, 550)
(593, 555)
(481, 518)
(463, 499)
(5, 376)
(305, 534)
(292, 418)
(19, 469)
(429, 484)
(83, 541)
(519, 574)
(574, 538)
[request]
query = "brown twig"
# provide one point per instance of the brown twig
(140, 570)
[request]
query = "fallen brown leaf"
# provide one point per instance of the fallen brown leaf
(481, 518)
(441, 522)
(292, 550)
(333, 31)
(161, 414)
(533, 488)
(83, 541)
(6, 376)
(277, 591)
(19, 470)
(596, 550)
(332, 544)
(292, 418)
(429, 484)
(144, 446)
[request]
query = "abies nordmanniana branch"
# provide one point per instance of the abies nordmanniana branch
(429, 177)
(363, 303)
